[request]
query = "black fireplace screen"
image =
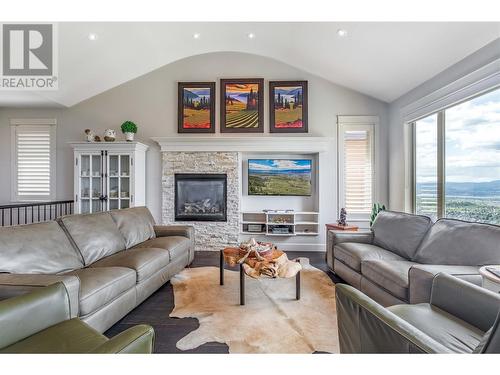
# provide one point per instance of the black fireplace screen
(200, 197)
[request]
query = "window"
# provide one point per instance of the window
(33, 160)
(426, 169)
(356, 168)
(457, 161)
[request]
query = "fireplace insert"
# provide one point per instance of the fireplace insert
(200, 197)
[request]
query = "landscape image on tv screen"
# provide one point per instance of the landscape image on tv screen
(279, 176)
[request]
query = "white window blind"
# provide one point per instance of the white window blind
(33, 162)
(358, 171)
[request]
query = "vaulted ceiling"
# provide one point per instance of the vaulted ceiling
(383, 60)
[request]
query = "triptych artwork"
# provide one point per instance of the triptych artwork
(242, 106)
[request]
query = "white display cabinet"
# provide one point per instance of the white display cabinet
(109, 175)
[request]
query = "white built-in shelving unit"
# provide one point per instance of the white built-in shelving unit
(279, 223)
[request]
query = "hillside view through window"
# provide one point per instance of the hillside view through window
(466, 165)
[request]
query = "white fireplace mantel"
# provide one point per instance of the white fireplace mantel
(302, 144)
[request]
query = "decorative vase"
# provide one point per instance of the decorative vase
(89, 135)
(109, 135)
(129, 136)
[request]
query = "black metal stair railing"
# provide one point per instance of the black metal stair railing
(36, 212)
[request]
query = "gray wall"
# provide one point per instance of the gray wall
(397, 152)
(151, 101)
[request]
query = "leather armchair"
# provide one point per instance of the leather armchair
(460, 318)
(40, 322)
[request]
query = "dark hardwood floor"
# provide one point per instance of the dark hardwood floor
(155, 310)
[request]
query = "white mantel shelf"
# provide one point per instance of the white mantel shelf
(303, 144)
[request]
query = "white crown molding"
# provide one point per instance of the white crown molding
(480, 80)
(269, 144)
(112, 146)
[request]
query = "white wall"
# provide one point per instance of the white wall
(448, 82)
(151, 101)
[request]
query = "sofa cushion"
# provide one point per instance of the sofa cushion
(450, 331)
(461, 243)
(41, 248)
(95, 235)
(399, 232)
(353, 253)
(101, 285)
(144, 261)
(70, 337)
(390, 275)
(177, 246)
(135, 224)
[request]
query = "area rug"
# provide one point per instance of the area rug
(271, 321)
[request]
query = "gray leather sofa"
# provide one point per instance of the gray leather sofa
(109, 262)
(460, 318)
(397, 260)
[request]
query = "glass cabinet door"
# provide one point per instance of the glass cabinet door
(85, 184)
(91, 183)
(118, 181)
(96, 182)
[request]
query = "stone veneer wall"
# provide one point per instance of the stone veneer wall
(210, 235)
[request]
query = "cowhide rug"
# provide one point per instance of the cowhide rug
(272, 321)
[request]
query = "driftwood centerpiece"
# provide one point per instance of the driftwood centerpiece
(261, 260)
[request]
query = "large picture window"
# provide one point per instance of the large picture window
(457, 161)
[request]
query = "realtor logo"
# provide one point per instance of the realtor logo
(28, 57)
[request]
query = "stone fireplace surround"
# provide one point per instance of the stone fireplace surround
(221, 154)
(210, 235)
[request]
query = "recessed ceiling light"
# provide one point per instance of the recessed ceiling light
(196, 35)
(251, 35)
(342, 32)
(93, 36)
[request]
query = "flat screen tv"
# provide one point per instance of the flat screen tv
(279, 177)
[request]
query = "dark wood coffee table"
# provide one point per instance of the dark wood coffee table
(230, 256)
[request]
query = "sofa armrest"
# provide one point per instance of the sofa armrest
(475, 305)
(336, 237)
(174, 230)
(136, 340)
(25, 315)
(420, 279)
(365, 326)
(12, 285)
(178, 230)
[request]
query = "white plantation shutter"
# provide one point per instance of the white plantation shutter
(34, 162)
(358, 171)
(356, 167)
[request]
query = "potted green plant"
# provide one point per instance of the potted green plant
(129, 129)
(376, 208)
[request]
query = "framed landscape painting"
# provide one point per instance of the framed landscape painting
(196, 113)
(288, 108)
(242, 105)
